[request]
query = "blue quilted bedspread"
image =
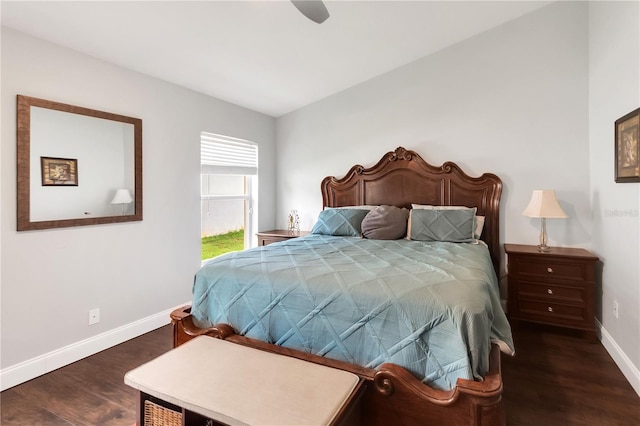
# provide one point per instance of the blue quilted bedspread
(432, 308)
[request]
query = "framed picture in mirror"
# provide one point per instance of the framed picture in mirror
(627, 147)
(59, 171)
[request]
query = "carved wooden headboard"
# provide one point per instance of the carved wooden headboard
(402, 178)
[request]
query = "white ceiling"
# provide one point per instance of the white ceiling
(263, 55)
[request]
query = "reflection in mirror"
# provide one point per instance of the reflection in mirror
(72, 161)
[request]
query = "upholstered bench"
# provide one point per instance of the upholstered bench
(211, 381)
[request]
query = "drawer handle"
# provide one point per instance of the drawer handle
(550, 270)
(549, 291)
(550, 309)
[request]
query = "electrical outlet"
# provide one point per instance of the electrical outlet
(94, 316)
(615, 309)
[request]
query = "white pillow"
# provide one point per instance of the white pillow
(363, 207)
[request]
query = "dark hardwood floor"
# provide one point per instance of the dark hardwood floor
(558, 378)
(88, 392)
(555, 379)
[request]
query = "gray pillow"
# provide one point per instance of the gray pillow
(479, 219)
(385, 223)
(340, 222)
(442, 225)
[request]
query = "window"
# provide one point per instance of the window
(229, 173)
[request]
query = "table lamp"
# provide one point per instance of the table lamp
(543, 204)
(122, 197)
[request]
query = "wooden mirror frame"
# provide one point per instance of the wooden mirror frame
(24, 104)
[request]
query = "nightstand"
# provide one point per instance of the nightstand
(267, 237)
(555, 288)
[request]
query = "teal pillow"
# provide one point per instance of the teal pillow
(442, 225)
(340, 222)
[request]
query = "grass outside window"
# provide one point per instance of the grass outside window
(216, 245)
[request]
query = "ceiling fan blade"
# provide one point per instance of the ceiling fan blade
(312, 9)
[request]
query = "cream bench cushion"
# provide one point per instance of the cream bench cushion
(238, 385)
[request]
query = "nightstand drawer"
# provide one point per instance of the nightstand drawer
(556, 288)
(265, 241)
(544, 310)
(277, 235)
(552, 269)
(551, 292)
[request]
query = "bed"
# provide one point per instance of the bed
(418, 318)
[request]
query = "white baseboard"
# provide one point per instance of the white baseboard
(629, 370)
(32, 368)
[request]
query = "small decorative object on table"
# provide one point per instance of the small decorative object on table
(294, 221)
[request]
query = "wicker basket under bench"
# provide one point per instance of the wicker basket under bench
(156, 412)
(209, 381)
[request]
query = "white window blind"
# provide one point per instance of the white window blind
(224, 155)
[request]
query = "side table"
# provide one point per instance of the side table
(555, 288)
(267, 237)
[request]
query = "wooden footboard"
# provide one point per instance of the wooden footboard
(393, 395)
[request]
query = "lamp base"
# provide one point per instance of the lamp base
(543, 247)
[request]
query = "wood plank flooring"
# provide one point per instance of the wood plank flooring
(558, 378)
(88, 392)
(555, 379)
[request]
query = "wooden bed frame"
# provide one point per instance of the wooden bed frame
(393, 395)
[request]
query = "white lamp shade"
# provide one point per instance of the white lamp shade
(543, 203)
(122, 197)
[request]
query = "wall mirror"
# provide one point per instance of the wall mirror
(76, 166)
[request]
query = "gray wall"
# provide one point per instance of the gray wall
(134, 272)
(614, 87)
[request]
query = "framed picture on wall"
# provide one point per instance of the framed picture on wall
(627, 147)
(59, 171)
